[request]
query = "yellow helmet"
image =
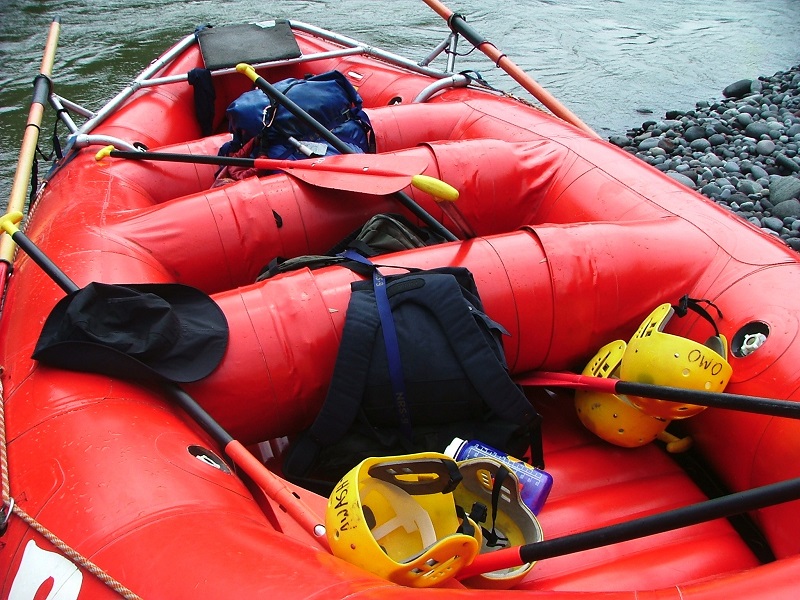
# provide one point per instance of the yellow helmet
(612, 417)
(396, 517)
(510, 519)
(659, 358)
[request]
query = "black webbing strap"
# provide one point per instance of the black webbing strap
(686, 304)
(493, 538)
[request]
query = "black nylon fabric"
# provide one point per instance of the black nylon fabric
(456, 380)
(135, 331)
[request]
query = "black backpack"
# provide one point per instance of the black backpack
(454, 379)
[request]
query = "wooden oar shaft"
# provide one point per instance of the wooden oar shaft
(740, 402)
(30, 138)
(458, 25)
(717, 508)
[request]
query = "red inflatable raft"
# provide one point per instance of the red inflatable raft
(111, 488)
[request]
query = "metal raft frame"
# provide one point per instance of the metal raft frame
(82, 136)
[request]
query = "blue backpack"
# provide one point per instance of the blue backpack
(329, 98)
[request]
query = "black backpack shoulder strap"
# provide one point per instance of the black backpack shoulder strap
(485, 369)
(343, 401)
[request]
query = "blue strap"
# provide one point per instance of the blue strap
(390, 342)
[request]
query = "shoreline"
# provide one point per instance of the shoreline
(742, 151)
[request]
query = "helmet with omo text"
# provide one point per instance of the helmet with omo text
(659, 358)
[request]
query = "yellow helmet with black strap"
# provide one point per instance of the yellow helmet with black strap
(654, 357)
(396, 517)
(659, 358)
(490, 493)
(413, 519)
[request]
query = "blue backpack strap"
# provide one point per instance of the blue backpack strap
(481, 362)
(343, 401)
(390, 343)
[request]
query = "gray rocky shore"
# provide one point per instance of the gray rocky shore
(741, 151)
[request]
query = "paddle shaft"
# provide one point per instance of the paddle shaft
(8, 224)
(272, 485)
(339, 145)
(228, 161)
(41, 90)
(717, 508)
(381, 174)
(457, 24)
(753, 404)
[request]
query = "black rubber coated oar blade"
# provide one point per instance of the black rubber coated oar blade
(377, 174)
(753, 404)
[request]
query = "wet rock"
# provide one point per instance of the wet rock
(742, 152)
(738, 89)
(784, 188)
(765, 147)
(787, 163)
(756, 129)
(695, 132)
(681, 178)
(773, 223)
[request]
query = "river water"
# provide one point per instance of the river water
(612, 62)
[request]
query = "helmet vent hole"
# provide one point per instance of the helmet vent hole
(685, 372)
(369, 517)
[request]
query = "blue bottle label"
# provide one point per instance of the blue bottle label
(535, 484)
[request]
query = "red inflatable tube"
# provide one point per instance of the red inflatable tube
(285, 331)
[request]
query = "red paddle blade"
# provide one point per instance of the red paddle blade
(376, 174)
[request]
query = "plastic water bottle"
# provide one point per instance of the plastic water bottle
(535, 483)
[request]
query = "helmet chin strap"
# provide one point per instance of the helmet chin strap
(493, 538)
(686, 304)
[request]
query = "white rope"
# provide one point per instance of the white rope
(10, 507)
